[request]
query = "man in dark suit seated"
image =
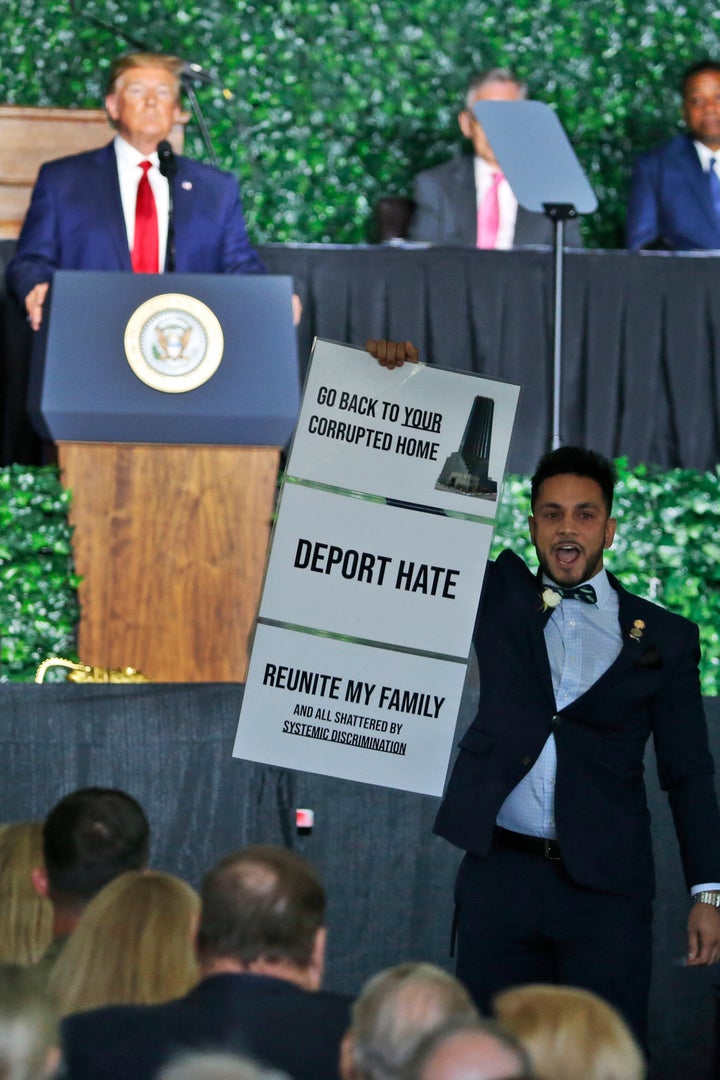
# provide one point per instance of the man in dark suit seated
(467, 201)
(675, 194)
(108, 209)
(261, 948)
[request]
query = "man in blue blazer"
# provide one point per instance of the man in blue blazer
(675, 194)
(82, 213)
(261, 948)
(547, 795)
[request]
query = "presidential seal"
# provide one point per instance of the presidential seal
(173, 343)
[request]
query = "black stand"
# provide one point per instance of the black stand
(546, 177)
(558, 213)
(200, 119)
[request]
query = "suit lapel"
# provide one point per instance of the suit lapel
(108, 204)
(465, 200)
(698, 184)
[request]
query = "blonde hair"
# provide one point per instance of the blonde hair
(25, 917)
(133, 945)
(570, 1034)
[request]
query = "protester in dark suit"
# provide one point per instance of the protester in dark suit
(449, 197)
(547, 796)
(261, 948)
(82, 213)
(675, 194)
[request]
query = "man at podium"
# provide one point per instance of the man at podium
(109, 209)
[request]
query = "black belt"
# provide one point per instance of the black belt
(531, 845)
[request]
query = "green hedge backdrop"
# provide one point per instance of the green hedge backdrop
(667, 549)
(339, 102)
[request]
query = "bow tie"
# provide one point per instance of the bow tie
(586, 593)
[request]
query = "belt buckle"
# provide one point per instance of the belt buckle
(548, 852)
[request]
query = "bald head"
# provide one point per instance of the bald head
(394, 1012)
(478, 1051)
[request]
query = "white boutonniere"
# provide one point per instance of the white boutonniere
(550, 599)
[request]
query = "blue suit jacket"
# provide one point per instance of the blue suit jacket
(75, 222)
(670, 204)
(602, 820)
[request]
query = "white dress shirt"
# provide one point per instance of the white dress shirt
(129, 174)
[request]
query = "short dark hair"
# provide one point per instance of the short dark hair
(172, 64)
(263, 902)
(478, 79)
(90, 837)
(697, 69)
(575, 461)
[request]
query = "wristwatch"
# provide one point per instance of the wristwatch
(707, 897)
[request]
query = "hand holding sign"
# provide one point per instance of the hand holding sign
(392, 354)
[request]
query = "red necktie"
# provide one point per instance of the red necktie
(488, 218)
(145, 248)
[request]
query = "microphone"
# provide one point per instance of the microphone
(167, 163)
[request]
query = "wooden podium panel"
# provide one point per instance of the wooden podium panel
(171, 543)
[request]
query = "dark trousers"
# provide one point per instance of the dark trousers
(521, 919)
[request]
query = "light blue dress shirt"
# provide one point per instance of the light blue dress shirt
(582, 641)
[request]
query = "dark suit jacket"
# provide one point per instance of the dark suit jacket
(652, 688)
(670, 204)
(271, 1020)
(446, 210)
(75, 222)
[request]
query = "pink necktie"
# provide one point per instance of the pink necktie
(488, 217)
(145, 252)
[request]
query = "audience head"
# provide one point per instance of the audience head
(395, 1010)
(570, 1034)
(25, 916)
(701, 102)
(90, 837)
(29, 1030)
(263, 911)
(133, 945)
(216, 1066)
(496, 84)
(471, 1050)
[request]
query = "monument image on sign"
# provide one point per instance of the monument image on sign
(466, 470)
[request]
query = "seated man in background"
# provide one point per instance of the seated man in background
(675, 195)
(395, 1010)
(261, 949)
(108, 209)
(90, 837)
(467, 201)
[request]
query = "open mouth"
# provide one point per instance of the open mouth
(567, 554)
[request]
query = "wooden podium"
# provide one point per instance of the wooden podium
(172, 493)
(171, 544)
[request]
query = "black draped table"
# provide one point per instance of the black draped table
(389, 880)
(641, 338)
